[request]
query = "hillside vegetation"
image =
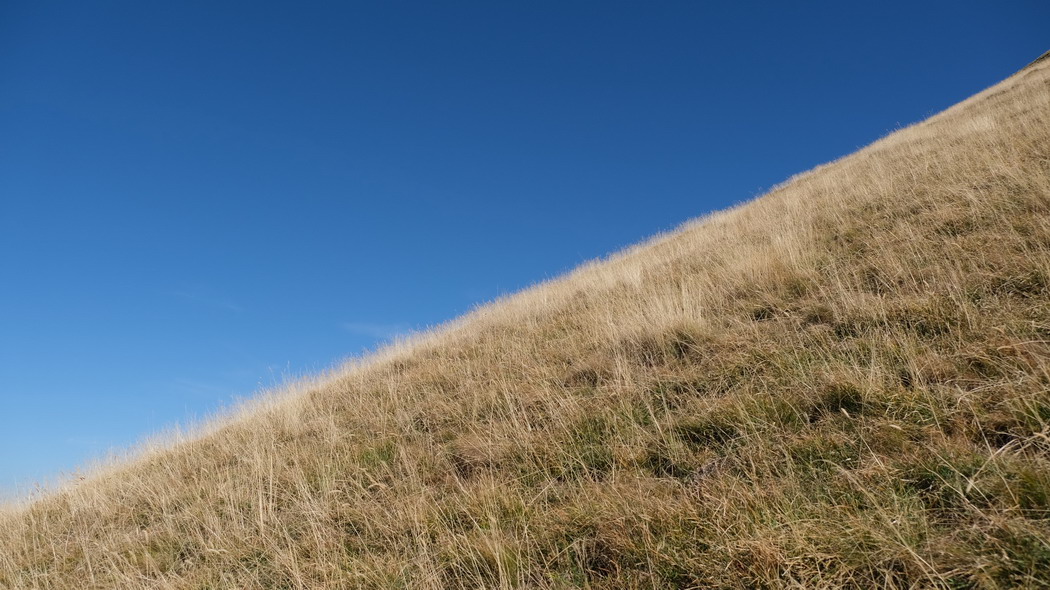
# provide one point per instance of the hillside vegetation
(844, 383)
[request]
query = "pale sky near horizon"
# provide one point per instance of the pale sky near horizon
(198, 199)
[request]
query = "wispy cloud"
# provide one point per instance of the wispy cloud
(203, 295)
(89, 442)
(201, 389)
(376, 330)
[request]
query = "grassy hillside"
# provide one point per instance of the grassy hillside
(844, 383)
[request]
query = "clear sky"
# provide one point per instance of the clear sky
(198, 199)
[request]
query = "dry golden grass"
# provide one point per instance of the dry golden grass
(844, 383)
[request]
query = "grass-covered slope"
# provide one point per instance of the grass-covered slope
(845, 383)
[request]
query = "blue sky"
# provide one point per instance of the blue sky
(198, 199)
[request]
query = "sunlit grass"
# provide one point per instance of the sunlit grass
(842, 384)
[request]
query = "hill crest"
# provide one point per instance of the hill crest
(843, 383)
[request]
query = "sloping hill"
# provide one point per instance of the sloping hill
(844, 383)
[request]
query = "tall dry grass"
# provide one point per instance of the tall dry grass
(842, 384)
